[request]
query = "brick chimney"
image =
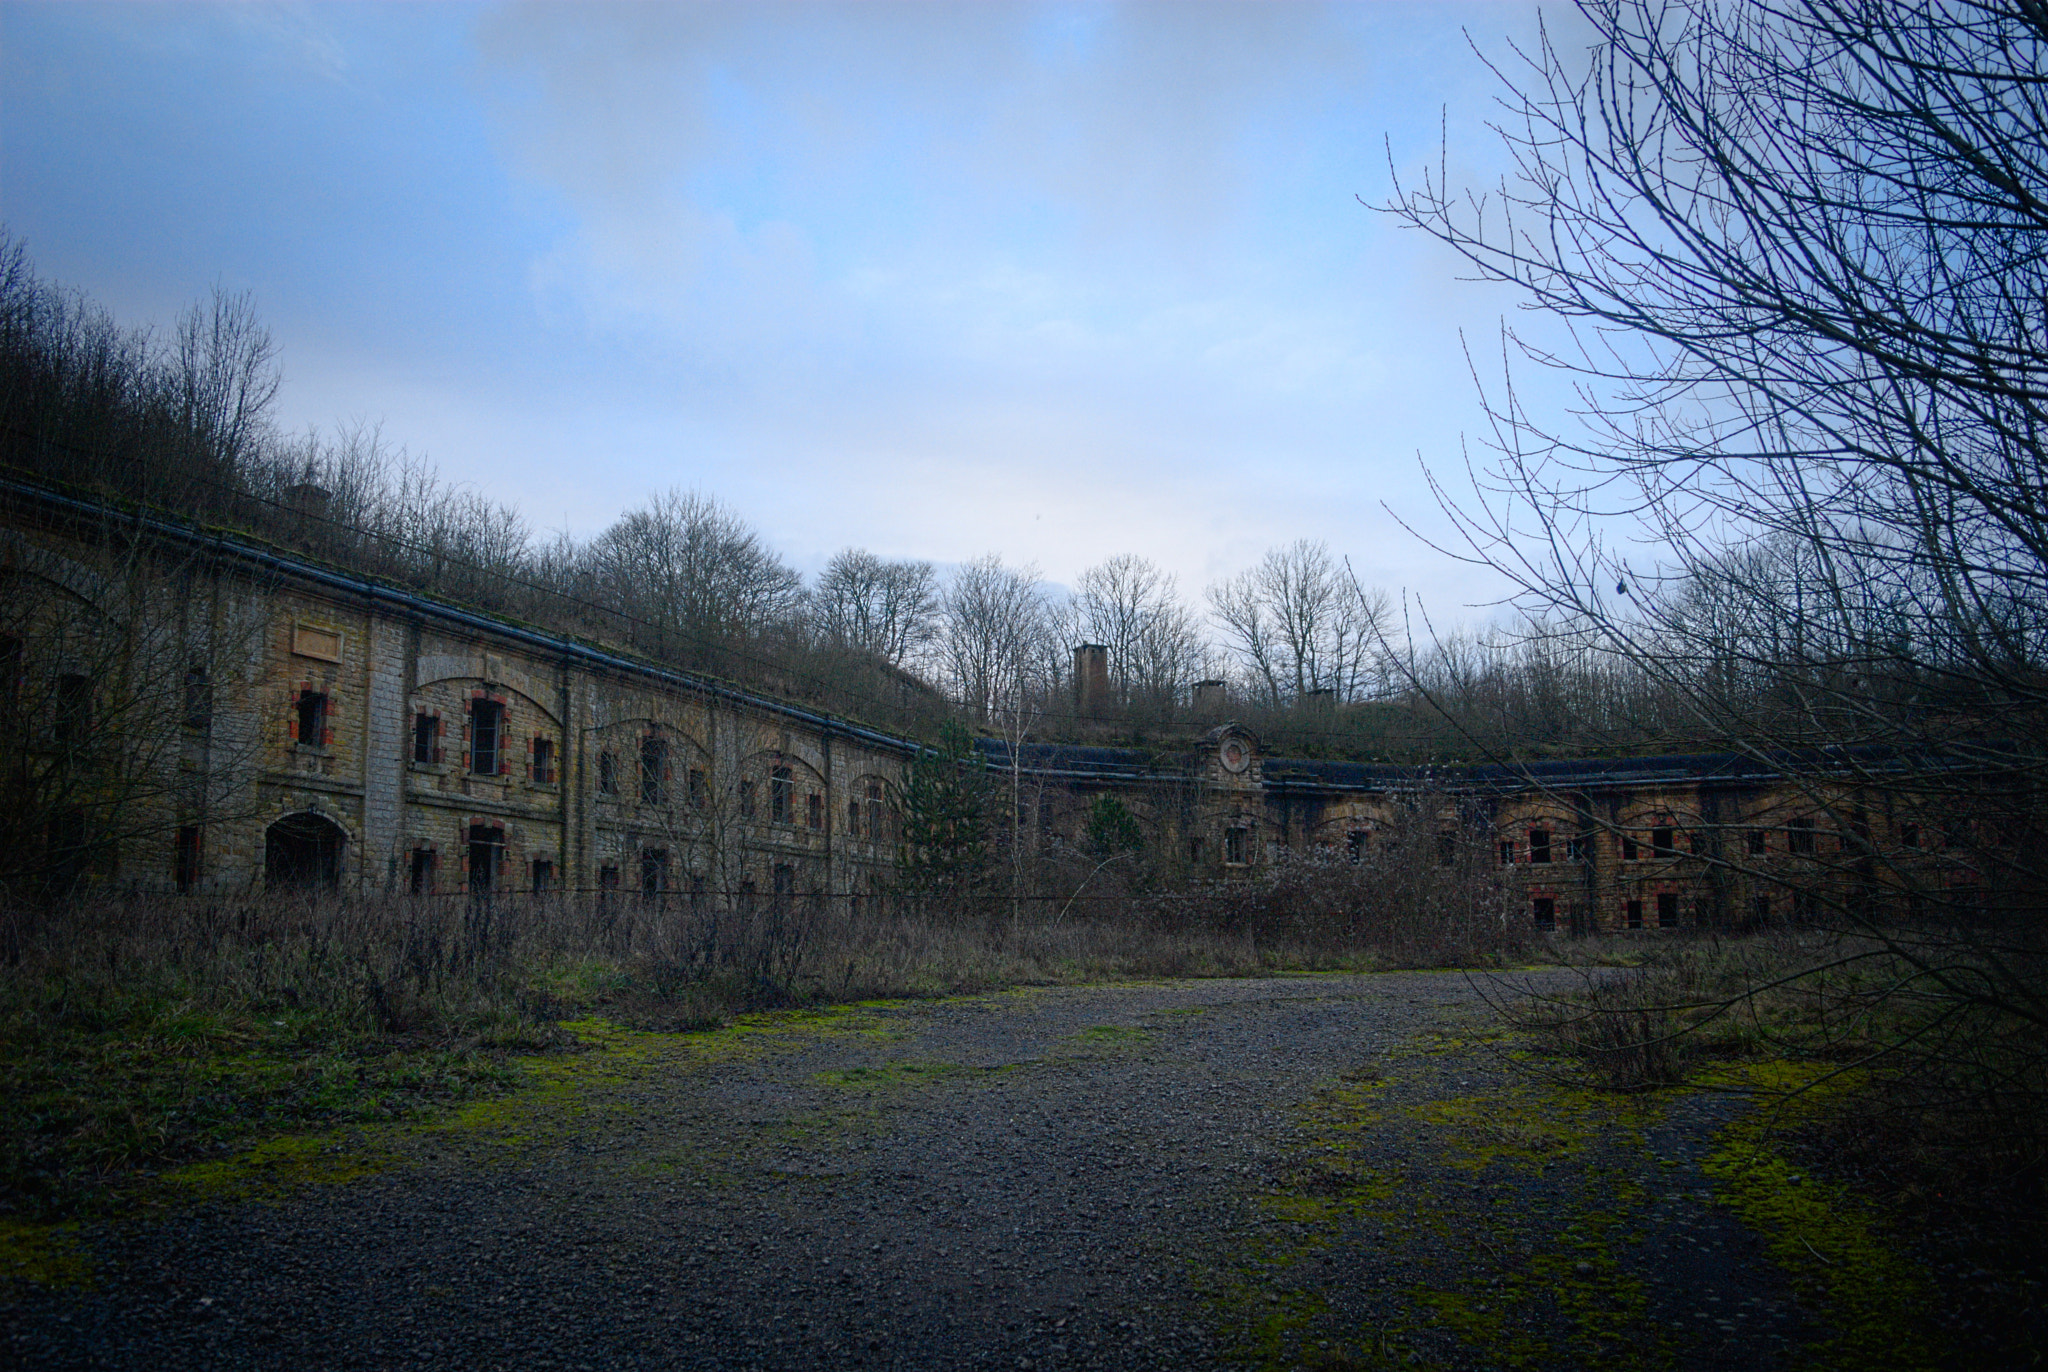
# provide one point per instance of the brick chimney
(1091, 679)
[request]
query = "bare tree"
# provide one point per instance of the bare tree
(1133, 608)
(995, 630)
(1802, 250)
(871, 605)
(693, 575)
(1297, 625)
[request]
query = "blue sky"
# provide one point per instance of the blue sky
(1054, 281)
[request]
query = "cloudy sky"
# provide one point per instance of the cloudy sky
(1055, 281)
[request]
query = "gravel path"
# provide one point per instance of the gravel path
(1318, 1169)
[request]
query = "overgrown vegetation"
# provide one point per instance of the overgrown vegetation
(139, 1033)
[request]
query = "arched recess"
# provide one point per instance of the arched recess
(303, 851)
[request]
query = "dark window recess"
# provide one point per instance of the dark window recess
(853, 817)
(1355, 844)
(1539, 845)
(198, 698)
(653, 770)
(814, 811)
(1447, 850)
(1546, 912)
(1234, 844)
(426, 738)
(1799, 836)
(653, 872)
(607, 884)
(423, 862)
(13, 665)
(1664, 841)
(1759, 842)
(781, 794)
(877, 821)
(1633, 913)
(185, 859)
(1629, 850)
(486, 858)
(746, 800)
(783, 878)
(1696, 840)
(1578, 848)
(607, 773)
(1507, 853)
(486, 738)
(544, 761)
(1909, 835)
(700, 791)
(543, 876)
(1667, 911)
(1195, 851)
(746, 896)
(696, 891)
(312, 719)
(1760, 909)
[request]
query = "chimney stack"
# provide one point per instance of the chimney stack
(1091, 679)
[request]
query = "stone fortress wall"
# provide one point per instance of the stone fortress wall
(366, 738)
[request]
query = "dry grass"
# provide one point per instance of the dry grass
(137, 1033)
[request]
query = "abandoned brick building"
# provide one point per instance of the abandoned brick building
(263, 719)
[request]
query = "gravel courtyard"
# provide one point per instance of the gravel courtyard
(1323, 1171)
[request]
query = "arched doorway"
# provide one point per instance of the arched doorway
(303, 850)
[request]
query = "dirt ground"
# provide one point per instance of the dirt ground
(1333, 1171)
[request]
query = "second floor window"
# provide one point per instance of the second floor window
(426, 738)
(1539, 845)
(653, 770)
(815, 811)
(607, 774)
(486, 737)
(312, 719)
(781, 795)
(544, 761)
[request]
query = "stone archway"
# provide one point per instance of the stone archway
(303, 851)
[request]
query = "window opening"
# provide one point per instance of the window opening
(1909, 835)
(1759, 843)
(783, 877)
(746, 800)
(1545, 909)
(1355, 844)
(543, 877)
(1760, 909)
(653, 770)
(185, 859)
(198, 698)
(1629, 850)
(1507, 852)
(73, 719)
(486, 856)
(544, 761)
(814, 809)
(13, 656)
(423, 862)
(700, 793)
(1539, 845)
(877, 824)
(486, 730)
(1799, 836)
(607, 773)
(426, 738)
(653, 873)
(1578, 848)
(1667, 910)
(312, 719)
(853, 817)
(1235, 843)
(781, 793)
(1664, 841)
(1633, 911)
